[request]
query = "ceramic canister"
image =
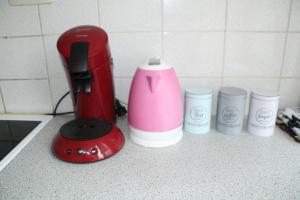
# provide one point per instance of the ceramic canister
(262, 112)
(230, 111)
(197, 110)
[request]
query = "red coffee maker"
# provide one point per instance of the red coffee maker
(92, 136)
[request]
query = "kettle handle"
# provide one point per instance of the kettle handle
(154, 82)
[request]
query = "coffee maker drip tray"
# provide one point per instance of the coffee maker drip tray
(80, 129)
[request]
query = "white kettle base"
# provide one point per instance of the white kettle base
(155, 139)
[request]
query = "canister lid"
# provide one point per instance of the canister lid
(155, 64)
(262, 94)
(232, 91)
(198, 92)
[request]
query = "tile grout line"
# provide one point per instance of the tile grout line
(254, 31)
(162, 29)
(46, 59)
(219, 77)
(179, 31)
(224, 44)
(191, 77)
(98, 11)
(1, 95)
(28, 36)
(20, 36)
(23, 79)
(285, 46)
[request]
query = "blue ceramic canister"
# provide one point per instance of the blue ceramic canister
(230, 111)
(197, 115)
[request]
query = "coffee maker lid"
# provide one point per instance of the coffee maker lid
(95, 36)
(155, 64)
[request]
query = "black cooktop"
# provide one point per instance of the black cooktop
(12, 132)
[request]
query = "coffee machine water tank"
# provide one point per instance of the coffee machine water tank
(86, 56)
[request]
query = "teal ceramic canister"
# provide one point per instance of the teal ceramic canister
(231, 109)
(197, 115)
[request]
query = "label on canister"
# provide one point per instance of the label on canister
(197, 110)
(198, 114)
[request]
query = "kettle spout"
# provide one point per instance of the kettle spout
(154, 83)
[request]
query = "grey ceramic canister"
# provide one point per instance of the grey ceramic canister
(230, 111)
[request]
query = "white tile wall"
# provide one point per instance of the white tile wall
(254, 54)
(18, 20)
(122, 87)
(295, 16)
(210, 43)
(54, 64)
(63, 15)
(130, 15)
(289, 87)
(26, 96)
(291, 65)
(289, 90)
(59, 87)
(194, 15)
(286, 101)
(22, 58)
(258, 15)
(195, 54)
(129, 50)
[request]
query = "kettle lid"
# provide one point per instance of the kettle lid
(155, 64)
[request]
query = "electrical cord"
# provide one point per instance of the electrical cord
(123, 102)
(120, 110)
(58, 103)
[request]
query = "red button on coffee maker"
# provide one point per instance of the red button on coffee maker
(92, 135)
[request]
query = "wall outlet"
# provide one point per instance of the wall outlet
(28, 2)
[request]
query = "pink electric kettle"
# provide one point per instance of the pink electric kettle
(155, 108)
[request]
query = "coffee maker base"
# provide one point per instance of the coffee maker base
(83, 141)
(156, 139)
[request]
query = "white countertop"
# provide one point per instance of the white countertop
(211, 166)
